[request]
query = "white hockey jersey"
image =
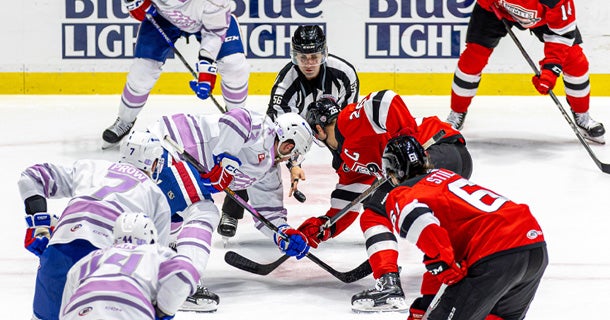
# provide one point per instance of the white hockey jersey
(100, 190)
(209, 17)
(245, 134)
(126, 282)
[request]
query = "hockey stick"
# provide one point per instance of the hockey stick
(152, 20)
(243, 263)
(604, 167)
(359, 272)
(230, 193)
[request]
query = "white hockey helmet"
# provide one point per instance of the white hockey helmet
(141, 149)
(291, 126)
(134, 227)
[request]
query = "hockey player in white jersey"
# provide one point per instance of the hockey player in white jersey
(135, 279)
(242, 149)
(220, 48)
(100, 191)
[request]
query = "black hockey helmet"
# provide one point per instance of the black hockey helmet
(322, 112)
(404, 157)
(309, 39)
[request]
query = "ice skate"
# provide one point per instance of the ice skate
(227, 226)
(117, 131)
(386, 296)
(589, 128)
(202, 301)
(456, 119)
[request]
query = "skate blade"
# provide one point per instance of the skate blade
(108, 145)
(391, 305)
(203, 306)
(598, 140)
(225, 241)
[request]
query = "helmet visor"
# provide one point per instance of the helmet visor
(309, 59)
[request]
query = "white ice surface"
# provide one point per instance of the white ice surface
(522, 147)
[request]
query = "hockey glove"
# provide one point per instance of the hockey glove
(206, 80)
(547, 78)
(313, 231)
(419, 306)
(296, 246)
(139, 8)
(38, 233)
(447, 272)
(222, 173)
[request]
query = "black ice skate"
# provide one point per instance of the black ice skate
(227, 226)
(202, 301)
(589, 128)
(116, 132)
(456, 119)
(386, 296)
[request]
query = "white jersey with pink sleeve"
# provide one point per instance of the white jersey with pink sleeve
(245, 134)
(100, 191)
(128, 282)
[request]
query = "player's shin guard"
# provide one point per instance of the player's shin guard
(234, 71)
(381, 243)
(467, 76)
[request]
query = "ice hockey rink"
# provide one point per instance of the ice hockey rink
(522, 148)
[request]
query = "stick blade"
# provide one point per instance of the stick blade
(240, 262)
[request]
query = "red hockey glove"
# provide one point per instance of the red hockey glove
(296, 246)
(139, 8)
(311, 228)
(419, 307)
(38, 233)
(547, 78)
(205, 81)
(222, 173)
(416, 314)
(447, 272)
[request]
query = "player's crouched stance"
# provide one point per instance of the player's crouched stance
(135, 279)
(488, 251)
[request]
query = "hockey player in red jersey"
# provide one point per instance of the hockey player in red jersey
(359, 134)
(489, 250)
(554, 23)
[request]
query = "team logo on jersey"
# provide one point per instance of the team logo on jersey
(261, 157)
(76, 227)
(524, 17)
(371, 168)
(85, 311)
(171, 195)
(533, 234)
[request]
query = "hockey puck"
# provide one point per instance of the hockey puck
(299, 196)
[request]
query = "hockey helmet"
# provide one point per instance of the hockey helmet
(322, 112)
(141, 149)
(404, 158)
(309, 45)
(134, 227)
(291, 126)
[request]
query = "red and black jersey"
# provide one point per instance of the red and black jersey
(366, 127)
(363, 130)
(478, 221)
(558, 15)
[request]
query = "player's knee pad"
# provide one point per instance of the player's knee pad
(234, 69)
(143, 75)
(474, 58)
(576, 63)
